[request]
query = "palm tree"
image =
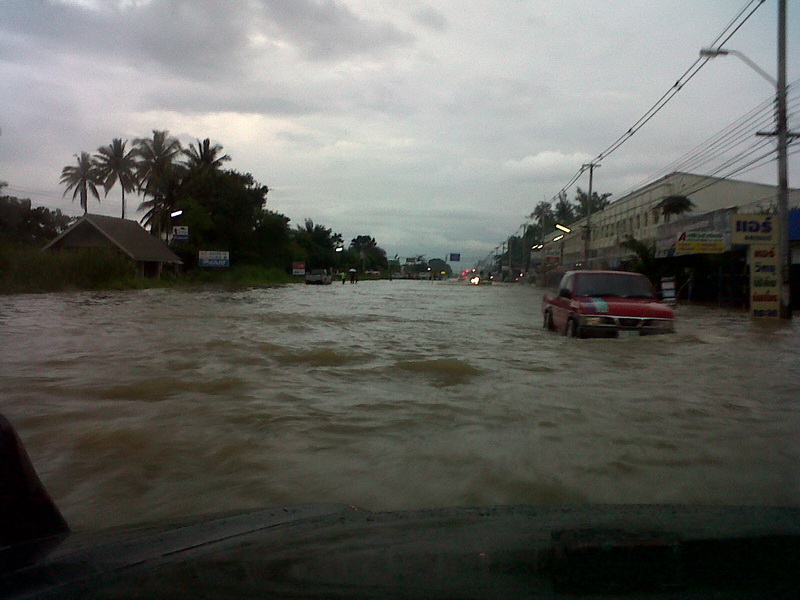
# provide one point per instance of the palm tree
(564, 211)
(675, 205)
(158, 173)
(164, 194)
(205, 157)
(82, 179)
(115, 165)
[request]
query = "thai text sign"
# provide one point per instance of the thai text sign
(298, 268)
(764, 286)
(754, 229)
(214, 258)
(700, 242)
(180, 233)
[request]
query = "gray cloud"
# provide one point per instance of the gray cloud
(328, 30)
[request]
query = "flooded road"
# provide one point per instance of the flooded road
(144, 405)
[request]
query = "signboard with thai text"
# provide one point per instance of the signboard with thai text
(754, 229)
(455, 257)
(180, 233)
(214, 258)
(700, 242)
(764, 286)
(298, 268)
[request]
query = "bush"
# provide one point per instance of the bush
(28, 269)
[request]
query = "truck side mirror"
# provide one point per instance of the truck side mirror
(564, 293)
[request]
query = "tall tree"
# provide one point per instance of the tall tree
(116, 165)
(82, 179)
(204, 156)
(582, 203)
(158, 174)
(164, 191)
(318, 243)
(564, 211)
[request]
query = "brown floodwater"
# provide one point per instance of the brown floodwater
(143, 405)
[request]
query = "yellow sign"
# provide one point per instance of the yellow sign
(700, 242)
(754, 229)
(764, 286)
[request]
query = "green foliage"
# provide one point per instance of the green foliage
(22, 224)
(224, 209)
(675, 205)
(317, 245)
(582, 203)
(240, 276)
(644, 261)
(370, 255)
(115, 165)
(82, 178)
(29, 269)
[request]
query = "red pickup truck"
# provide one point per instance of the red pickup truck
(606, 304)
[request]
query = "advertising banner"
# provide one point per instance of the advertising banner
(700, 242)
(455, 257)
(180, 233)
(214, 258)
(754, 229)
(764, 285)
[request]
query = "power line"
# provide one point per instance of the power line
(687, 76)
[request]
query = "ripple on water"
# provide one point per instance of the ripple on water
(441, 371)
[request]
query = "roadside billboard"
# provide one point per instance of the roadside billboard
(214, 258)
(765, 290)
(180, 233)
(754, 229)
(700, 242)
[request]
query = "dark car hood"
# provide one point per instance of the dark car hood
(489, 552)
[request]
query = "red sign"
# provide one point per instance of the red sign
(298, 268)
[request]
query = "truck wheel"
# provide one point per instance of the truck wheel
(572, 329)
(548, 321)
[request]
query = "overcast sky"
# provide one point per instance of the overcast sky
(434, 126)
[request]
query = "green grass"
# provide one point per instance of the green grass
(25, 269)
(31, 270)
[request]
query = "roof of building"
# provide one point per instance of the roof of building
(129, 236)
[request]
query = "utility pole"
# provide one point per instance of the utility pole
(783, 168)
(588, 238)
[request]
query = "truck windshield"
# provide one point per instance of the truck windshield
(610, 284)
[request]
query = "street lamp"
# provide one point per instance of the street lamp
(715, 52)
(783, 164)
(563, 228)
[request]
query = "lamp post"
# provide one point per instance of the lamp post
(783, 136)
(587, 242)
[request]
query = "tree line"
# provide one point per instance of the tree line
(223, 208)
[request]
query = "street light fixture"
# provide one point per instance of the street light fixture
(558, 237)
(563, 228)
(715, 52)
(782, 132)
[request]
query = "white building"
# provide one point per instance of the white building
(639, 215)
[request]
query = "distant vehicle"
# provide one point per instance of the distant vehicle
(319, 277)
(606, 304)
